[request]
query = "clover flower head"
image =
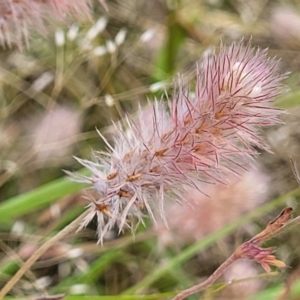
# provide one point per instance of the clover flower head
(201, 136)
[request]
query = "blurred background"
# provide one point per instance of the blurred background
(61, 79)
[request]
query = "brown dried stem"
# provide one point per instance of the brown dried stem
(209, 281)
(251, 250)
(39, 252)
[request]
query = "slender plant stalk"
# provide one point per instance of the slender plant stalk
(252, 251)
(210, 280)
(39, 252)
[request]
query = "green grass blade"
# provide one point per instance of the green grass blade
(37, 198)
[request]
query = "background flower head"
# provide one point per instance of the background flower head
(200, 215)
(17, 17)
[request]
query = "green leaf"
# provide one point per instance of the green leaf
(37, 198)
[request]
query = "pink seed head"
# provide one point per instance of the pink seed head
(209, 133)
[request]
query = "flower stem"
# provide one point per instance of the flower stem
(210, 280)
(39, 252)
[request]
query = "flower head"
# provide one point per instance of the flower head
(16, 16)
(284, 23)
(208, 134)
(264, 256)
(201, 215)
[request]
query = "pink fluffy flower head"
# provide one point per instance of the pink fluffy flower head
(17, 16)
(202, 135)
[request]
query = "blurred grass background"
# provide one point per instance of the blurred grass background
(53, 96)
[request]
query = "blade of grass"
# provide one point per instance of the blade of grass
(37, 198)
(92, 274)
(289, 100)
(116, 297)
(276, 292)
(167, 57)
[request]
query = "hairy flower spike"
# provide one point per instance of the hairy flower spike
(208, 134)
